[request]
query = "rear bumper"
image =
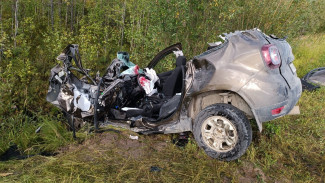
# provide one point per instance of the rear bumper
(264, 114)
(266, 92)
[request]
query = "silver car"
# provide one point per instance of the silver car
(249, 75)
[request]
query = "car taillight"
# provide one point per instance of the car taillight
(271, 56)
(277, 110)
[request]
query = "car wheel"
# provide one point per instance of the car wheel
(222, 131)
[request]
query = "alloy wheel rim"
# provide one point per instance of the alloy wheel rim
(219, 133)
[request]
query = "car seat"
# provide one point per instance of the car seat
(172, 81)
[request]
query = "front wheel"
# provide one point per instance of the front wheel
(222, 131)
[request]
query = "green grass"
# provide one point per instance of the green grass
(290, 149)
(20, 130)
(309, 53)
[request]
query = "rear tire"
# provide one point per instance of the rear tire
(222, 131)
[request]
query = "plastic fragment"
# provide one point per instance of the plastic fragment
(178, 53)
(129, 108)
(38, 129)
(133, 70)
(134, 137)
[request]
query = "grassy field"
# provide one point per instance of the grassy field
(290, 149)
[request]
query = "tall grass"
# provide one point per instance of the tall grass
(21, 130)
(309, 53)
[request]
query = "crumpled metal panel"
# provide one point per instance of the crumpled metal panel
(235, 62)
(237, 65)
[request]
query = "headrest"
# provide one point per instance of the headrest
(181, 60)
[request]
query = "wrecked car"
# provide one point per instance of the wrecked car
(249, 75)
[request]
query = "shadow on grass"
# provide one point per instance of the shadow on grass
(13, 153)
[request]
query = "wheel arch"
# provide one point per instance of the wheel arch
(203, 100)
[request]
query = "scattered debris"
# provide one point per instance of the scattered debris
(181, 140)
(313, 79)
(38, 129)
(134, 137)
(155, 169)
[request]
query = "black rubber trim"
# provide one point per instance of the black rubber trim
(164, 53)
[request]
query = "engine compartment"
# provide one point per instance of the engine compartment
(124, 92)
